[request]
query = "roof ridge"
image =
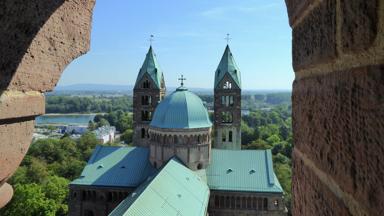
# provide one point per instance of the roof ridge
(94, 155)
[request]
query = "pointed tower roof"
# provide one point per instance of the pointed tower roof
(228, 66)
(152, 68)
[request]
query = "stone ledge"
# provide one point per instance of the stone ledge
(15, 104)
(15, 140)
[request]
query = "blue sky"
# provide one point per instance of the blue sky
(189, 40)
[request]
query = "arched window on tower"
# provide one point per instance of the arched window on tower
(146, 84)
(146, 115)
(226, 117)
(230, 136)
(142, 133)
(146, 100)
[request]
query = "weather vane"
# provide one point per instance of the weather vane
(227, 38)
(151, 39)
(182, 79)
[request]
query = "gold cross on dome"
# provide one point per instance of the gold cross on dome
(182, 80)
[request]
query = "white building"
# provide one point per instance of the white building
(105, 134)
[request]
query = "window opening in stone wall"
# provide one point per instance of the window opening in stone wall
(146, 84)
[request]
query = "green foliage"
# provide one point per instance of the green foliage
(272, 129)
(29, 199)
(41, 182)
(127, 136)
(95, 104)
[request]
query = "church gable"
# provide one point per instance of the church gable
(227, 83)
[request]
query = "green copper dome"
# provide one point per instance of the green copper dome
(181, 109)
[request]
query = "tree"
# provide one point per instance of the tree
(29, 199)
(127, 136)
(56, 188)
(37, 172)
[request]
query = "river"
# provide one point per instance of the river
(64, 119)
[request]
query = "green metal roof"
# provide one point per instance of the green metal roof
(228, 66)
(242, 170)
(116, 166)
(175, 190)
(181, 109)
(152, 68)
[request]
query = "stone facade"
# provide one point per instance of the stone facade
(192, 146)
(95, 200)
(230, 203)
(227, 108)
(337, 106)
(146, 96)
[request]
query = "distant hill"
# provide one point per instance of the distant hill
(95, 89)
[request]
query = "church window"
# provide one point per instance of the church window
(238, 202)
(222, 201)
(243, 202)
(265, 204)
(230, 136)
(223, 137)
(231, 100)
(223, 100)
(175, 139)
(227, 85)
(199, 166)
(259, 204)
(146, 115)
(146, 84)
(227, 202)
(276, 203)
(249, 203)
(226, 117)
(142, 133)
(254, 203)
(232, 202)
(216, 201)
(146, 100)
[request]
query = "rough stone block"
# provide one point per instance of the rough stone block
(14, 104)
(39, 38)
(314, 38)
(296, 8)
(359, 24)
(311, 196)
(338, 122)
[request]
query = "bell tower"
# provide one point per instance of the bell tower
(149, 90)
(227, 103)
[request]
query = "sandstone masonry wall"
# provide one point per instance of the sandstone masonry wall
(338, 106)
(39, 38)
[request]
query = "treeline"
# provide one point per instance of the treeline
(92, 104)
(107, 104)
(41, 182)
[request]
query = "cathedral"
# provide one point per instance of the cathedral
(181, 162)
